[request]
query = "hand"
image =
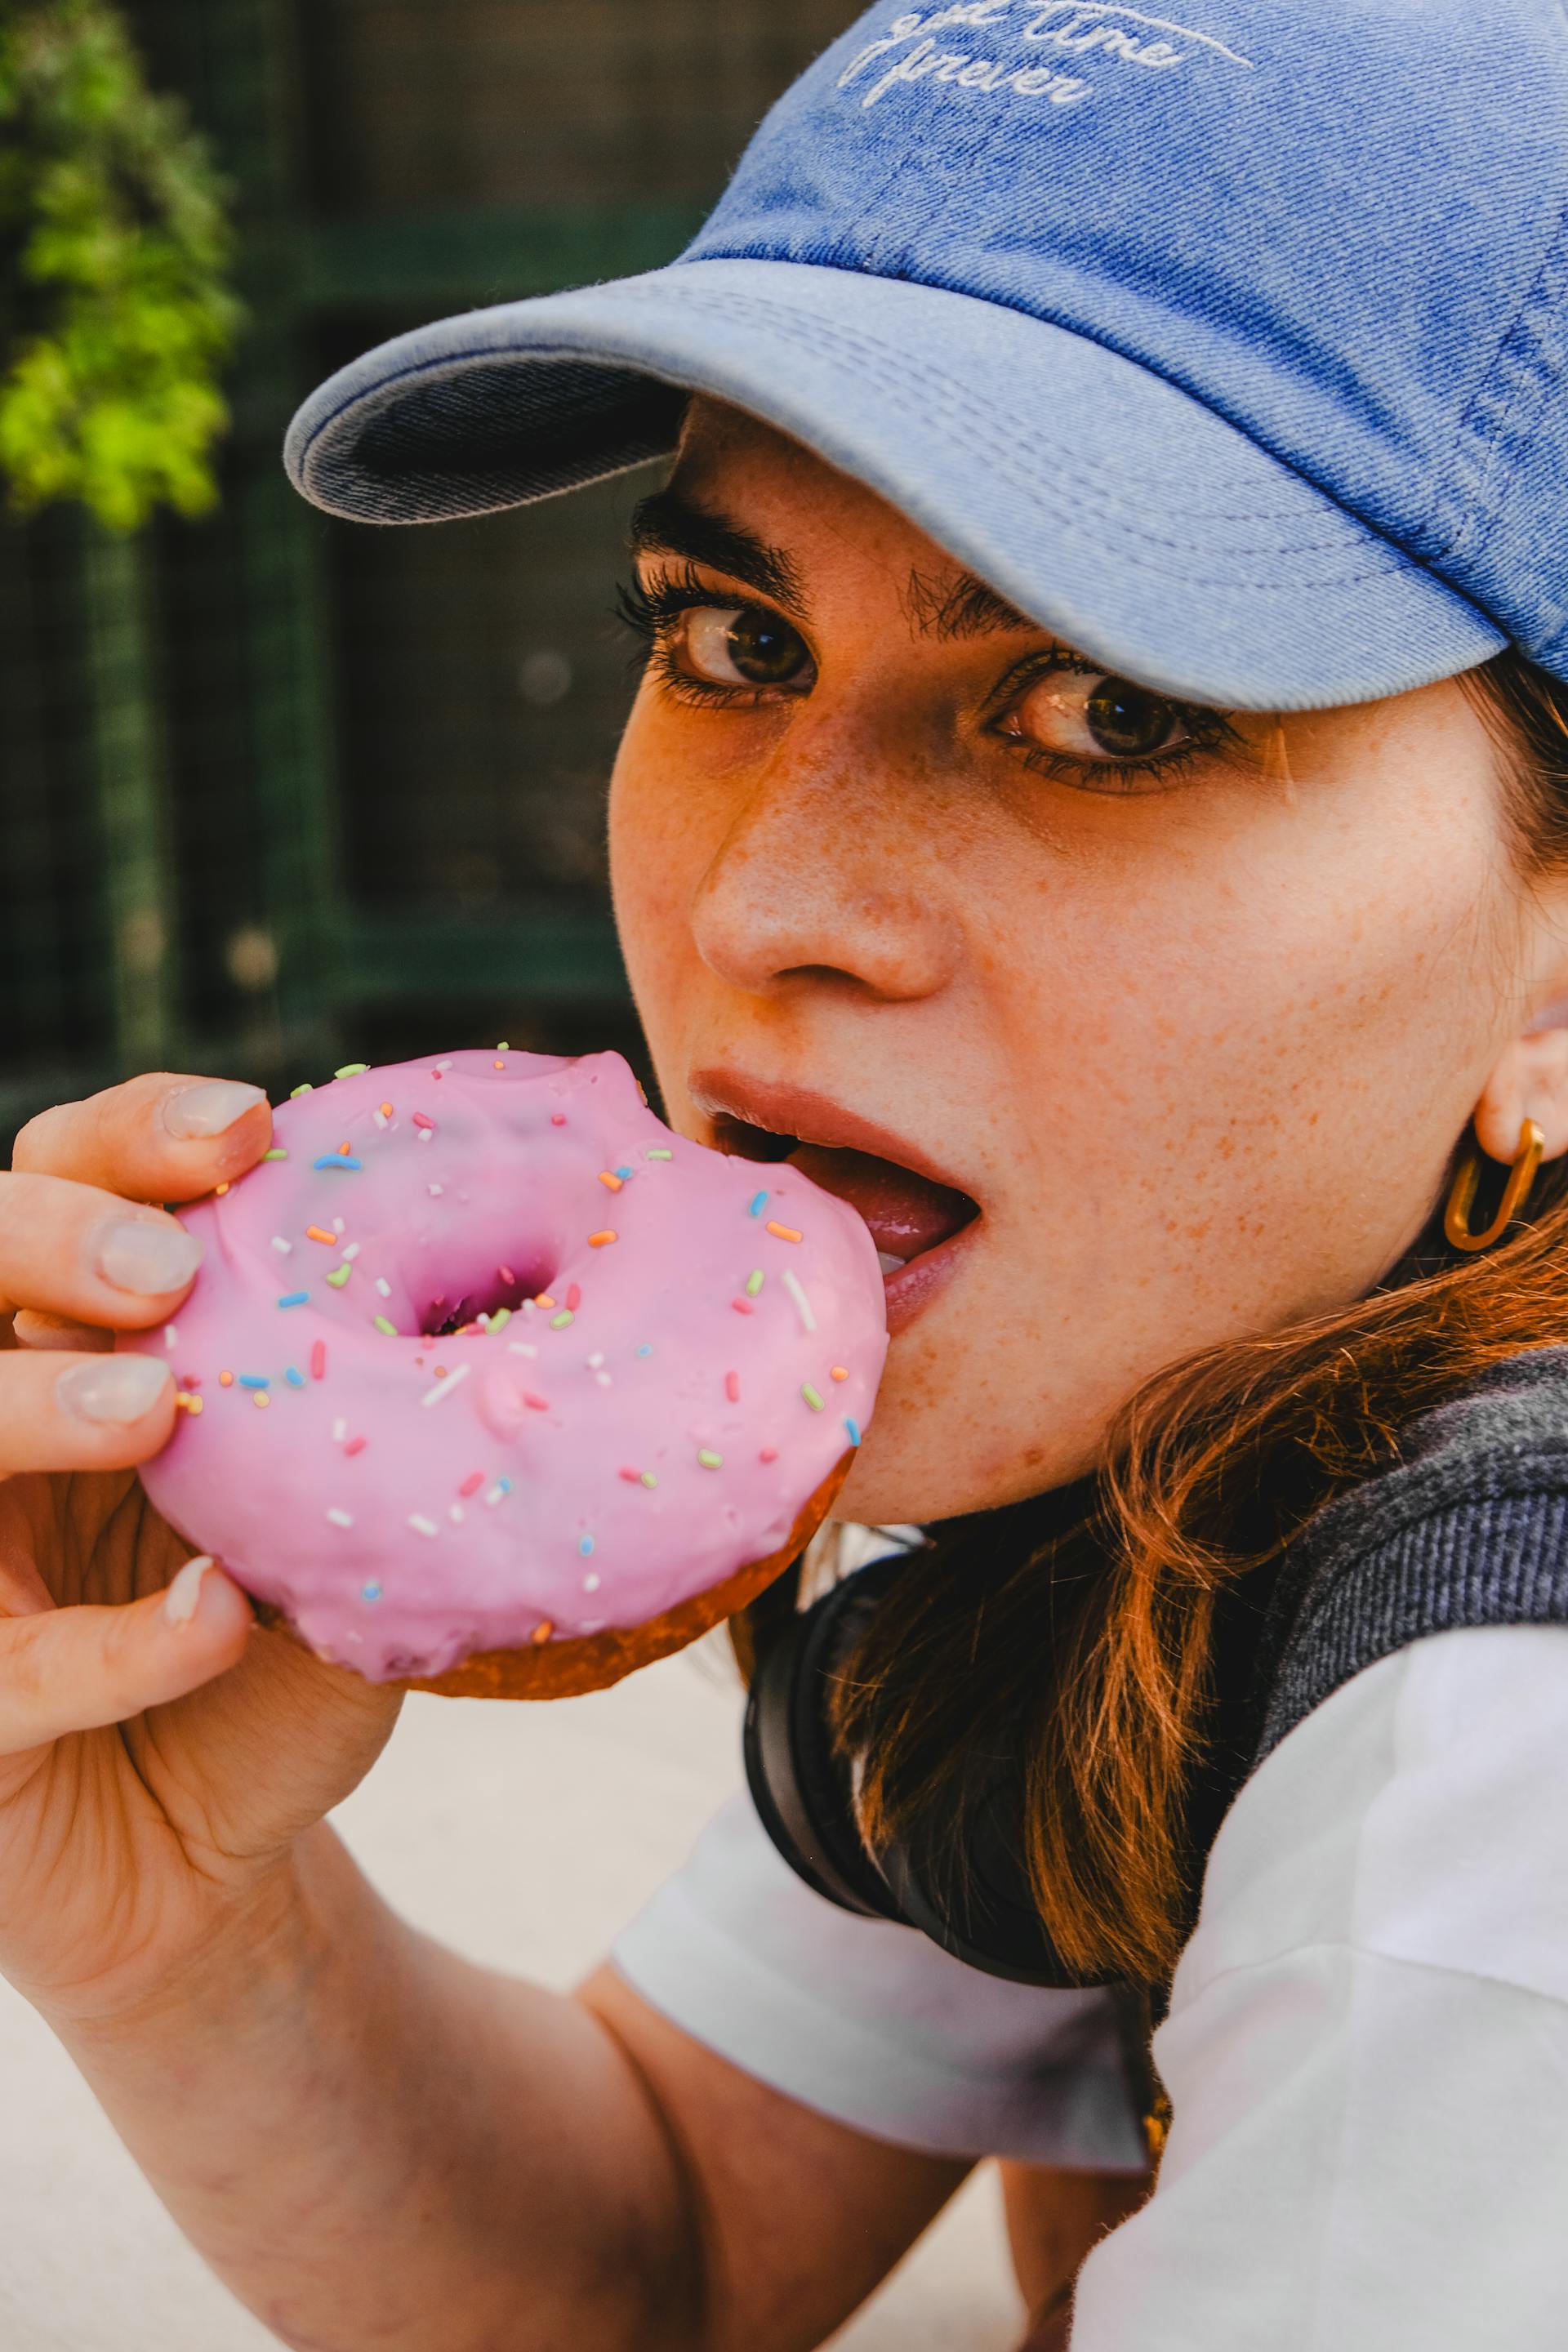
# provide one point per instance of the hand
(160, 1753)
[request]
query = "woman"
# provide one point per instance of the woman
(1100, 797)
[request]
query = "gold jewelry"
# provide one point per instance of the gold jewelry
(1521, 1176)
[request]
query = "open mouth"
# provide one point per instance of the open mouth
(912, 1215)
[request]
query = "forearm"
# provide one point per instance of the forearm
(375, 2144)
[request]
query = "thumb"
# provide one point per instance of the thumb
(65, 1670)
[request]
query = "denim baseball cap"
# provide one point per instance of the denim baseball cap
(1232, 346)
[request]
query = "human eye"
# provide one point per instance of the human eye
(1101, 732)
(707, 646)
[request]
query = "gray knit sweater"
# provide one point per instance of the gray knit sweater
(1470, 1527)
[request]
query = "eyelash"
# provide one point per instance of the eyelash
(650, 611)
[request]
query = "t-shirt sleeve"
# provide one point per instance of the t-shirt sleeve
(871, 2022)
(1367, 2049)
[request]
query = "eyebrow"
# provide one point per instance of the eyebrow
(670, 524)
(946, 605)
(952, 604)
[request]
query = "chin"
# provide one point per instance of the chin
(896, 1481)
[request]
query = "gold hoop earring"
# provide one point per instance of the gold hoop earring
(1521, 1177)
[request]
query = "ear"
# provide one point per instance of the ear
(1530, 1080)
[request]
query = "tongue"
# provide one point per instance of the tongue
(907, 1213)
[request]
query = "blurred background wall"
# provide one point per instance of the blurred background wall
(274, 790)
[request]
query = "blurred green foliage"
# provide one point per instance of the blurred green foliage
(116, 313)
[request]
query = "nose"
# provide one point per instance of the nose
(822, 876)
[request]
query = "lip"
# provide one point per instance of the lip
(815, 1117)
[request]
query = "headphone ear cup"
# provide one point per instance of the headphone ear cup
(804, 1796)
(803, 1791)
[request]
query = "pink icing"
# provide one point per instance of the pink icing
(407, 1499)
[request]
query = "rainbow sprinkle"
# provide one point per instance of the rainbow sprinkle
(343, 1160)
(294, 1298)
(759, 1204)
(660, 1155)
(709, 1459)
(352, 1070)
(559, 1322)
(319, 1233)
(338, 1276)
(295, 1376)
(319, 1360)
(586, 1548)
(277, 1152)
(301, 1090)
(852, 1429)
(732, 1387)
(370, 1591)
(421, 1525)
(499, 1492)
(340, 1519)
(444, 1388)
(754, 1282)
(255, 1381)
(783, 1233)
(601, 1241)
(388, 1330)
(813, 1399)
(793, 1284)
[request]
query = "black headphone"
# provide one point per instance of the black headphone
(804, 1792)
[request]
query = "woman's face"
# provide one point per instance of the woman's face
(1178, 1034)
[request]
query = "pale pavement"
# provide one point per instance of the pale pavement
(521, 1835)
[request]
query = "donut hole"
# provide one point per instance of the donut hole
(507, 1284)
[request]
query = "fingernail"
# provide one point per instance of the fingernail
(113, 1388)
(183, 1597)
(137, 1253)
(210, 1110)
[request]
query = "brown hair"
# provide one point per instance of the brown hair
(1090, 1649)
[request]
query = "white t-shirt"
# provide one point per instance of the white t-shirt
(1367, 2049)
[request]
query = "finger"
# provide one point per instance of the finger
(154, 1139)
(31, 1330)
(82, 1412)
(68, 1670)
(87, 1256)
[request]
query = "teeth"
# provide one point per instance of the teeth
(888, 1263)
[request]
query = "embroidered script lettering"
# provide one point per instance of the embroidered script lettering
(1072, 28)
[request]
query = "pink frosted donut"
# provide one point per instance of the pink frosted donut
(483, 1359)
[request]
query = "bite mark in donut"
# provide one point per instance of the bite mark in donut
(454, 1411)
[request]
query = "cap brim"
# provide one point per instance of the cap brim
(1102, 500)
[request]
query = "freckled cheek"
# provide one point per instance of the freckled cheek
(1241, 1061)
(663, 837)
